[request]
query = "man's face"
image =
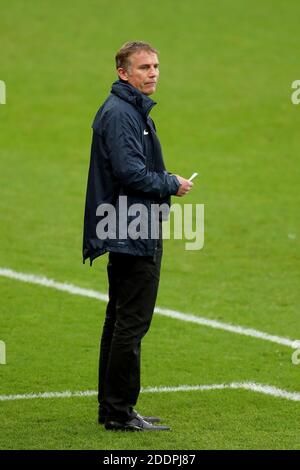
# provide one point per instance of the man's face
(143, 72)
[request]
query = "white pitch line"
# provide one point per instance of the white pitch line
(46, 282)
(250, 386)
(75, 290)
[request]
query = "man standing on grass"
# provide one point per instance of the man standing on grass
(127, 166)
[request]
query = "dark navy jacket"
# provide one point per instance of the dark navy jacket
(126, 159)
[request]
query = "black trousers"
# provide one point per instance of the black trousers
(133, 286)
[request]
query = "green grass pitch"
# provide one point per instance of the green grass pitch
(224, 110)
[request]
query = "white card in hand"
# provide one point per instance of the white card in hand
(193, 176)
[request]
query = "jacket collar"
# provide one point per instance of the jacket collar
(132, 95)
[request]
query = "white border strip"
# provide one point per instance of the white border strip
(251, 386)
(71, 289)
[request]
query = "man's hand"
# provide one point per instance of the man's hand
(185, 186)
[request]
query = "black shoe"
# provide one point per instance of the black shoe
(135, 424)
(149, 419)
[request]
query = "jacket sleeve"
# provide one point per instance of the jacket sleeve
(123, 144)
